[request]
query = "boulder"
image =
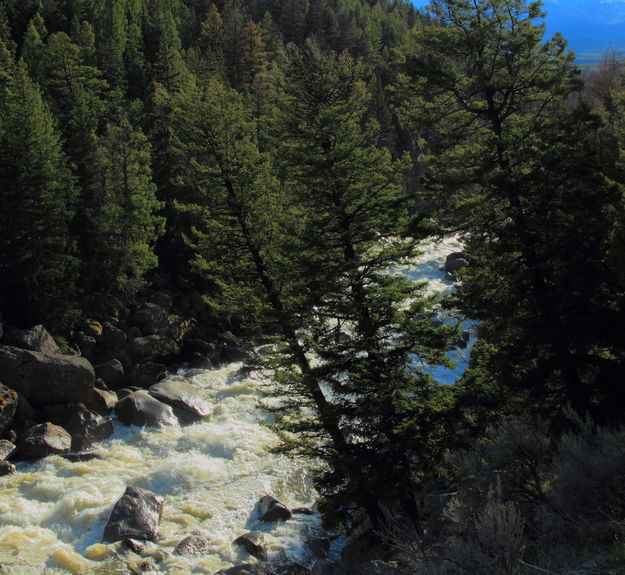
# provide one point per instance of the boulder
(87, 427)
(113, 337)
(319, 546)
(270, 509)
(147, 373)
(44, 378)
(192, 546)
(194, 344)
(43, 440)
(136, 515)
(57, 413)
(253, 543)
(8, 406)
(103, 401)
(140, 408)
(454, 262)
(6, 449)
(198, 361)
(178, 327)
(302, 511)
(134, 545)
(233, 353)
(162, 299)
(25, 416)
(152, 347)
(133, 333)
(112, 373)
(151, 319)
(7, 468)
(182, 396)
(36, 338)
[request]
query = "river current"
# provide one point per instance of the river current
(211, 474)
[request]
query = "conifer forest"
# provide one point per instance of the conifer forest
(218, 205)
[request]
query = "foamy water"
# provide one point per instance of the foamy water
(211, 474)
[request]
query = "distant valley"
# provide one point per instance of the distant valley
(590, 26)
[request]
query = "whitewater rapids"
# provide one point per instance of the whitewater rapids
(211, 474)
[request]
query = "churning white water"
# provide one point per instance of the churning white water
(53, 512)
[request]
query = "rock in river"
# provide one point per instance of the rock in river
(270, 509)
(43, 440)
(140, 408)
(136, 515)
(183, 397)
(253, 543)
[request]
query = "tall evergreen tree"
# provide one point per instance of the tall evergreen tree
(38, 268)
(495, 94)
(125, 223)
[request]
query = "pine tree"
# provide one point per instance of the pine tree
(38, 267)
(494, 95)
(125, 222)
(33, 46)
(354, 217)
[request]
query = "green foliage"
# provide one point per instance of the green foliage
(353, 212)
(124, 221)
(517, 167)
(37, 255)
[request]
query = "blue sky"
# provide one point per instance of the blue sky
(590, 26)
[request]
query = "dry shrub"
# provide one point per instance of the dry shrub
(488, 541)
(589, 486)
(514, 455)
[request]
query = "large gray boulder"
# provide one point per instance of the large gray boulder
(8, 405)
(36, 338)
(44, 378)
(137, 515)
(43, 440)
(182, 396)
(270, 509)
(87, 427)
(140, 408)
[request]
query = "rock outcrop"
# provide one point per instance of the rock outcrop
(45, 378)
(137, 515)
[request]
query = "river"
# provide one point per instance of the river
(211, 474)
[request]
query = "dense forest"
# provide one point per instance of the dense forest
(282, 156)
